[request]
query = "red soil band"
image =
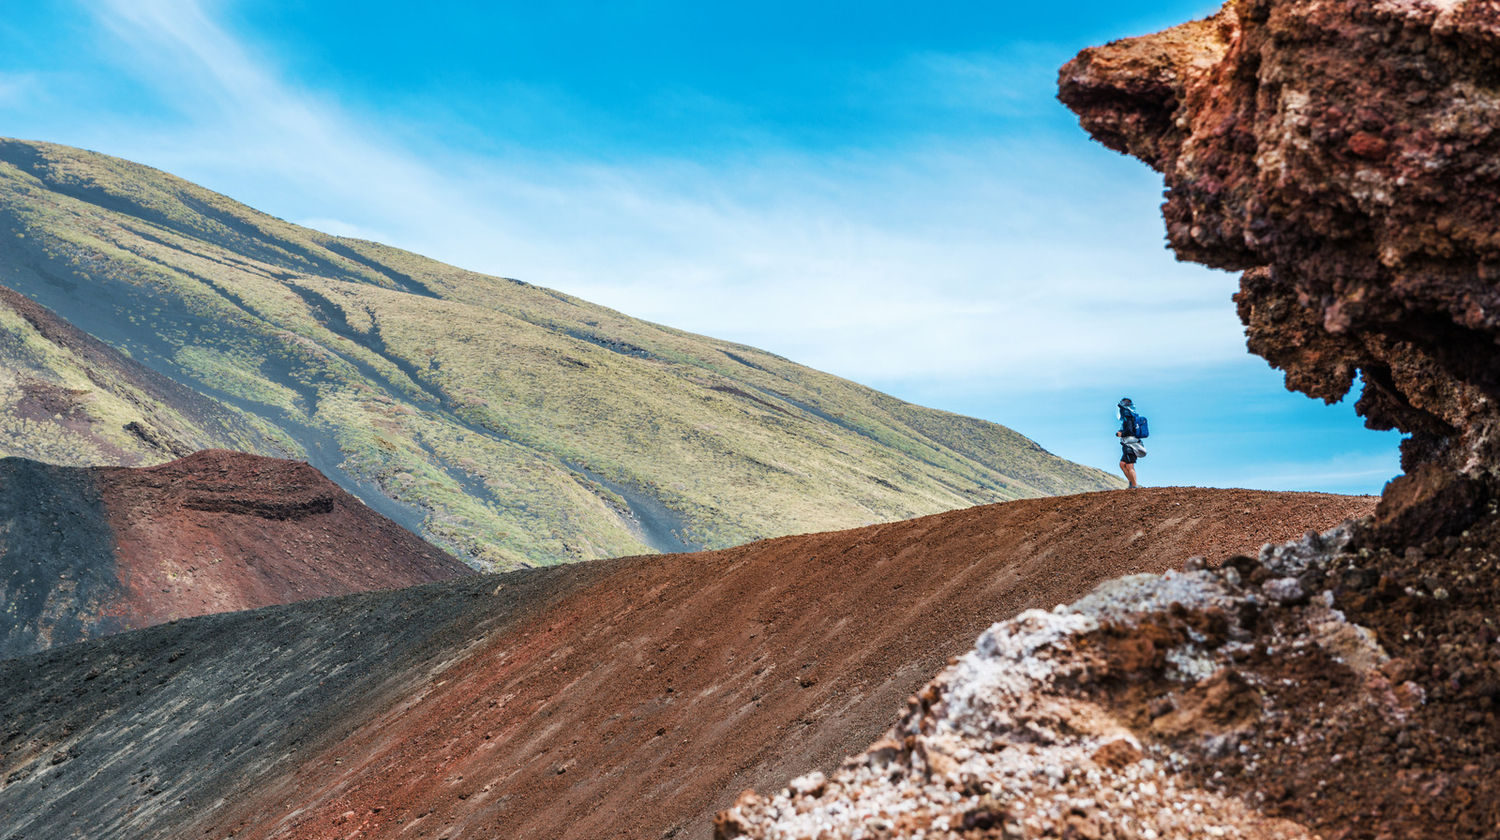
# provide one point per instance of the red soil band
(93, 551)
(223, 531)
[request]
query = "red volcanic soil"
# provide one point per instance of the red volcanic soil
(87, 552)
(655, 689)
(222, 531)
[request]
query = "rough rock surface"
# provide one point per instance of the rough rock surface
(1342, 153)
(86, 552)
(1289, 696)
(620, 698)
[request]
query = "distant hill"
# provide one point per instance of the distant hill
(510, 424)
(624, 698)
(86, 552)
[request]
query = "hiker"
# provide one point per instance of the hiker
(1132, 429)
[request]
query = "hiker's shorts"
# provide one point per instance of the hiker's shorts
(1127, 455)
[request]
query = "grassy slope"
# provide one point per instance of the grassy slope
(517, 425)
(67, 398)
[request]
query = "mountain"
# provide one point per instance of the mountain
(622, 698)
(510, 424)
(85, 552)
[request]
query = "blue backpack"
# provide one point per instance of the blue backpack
(1142, 429)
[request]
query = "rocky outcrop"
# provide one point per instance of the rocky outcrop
(1342, 154)
(86, 552)
(1258, 700)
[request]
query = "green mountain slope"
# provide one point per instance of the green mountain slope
(510, 424)
(68, 398)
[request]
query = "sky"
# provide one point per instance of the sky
(890, 195)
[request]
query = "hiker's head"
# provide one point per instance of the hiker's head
(1125, 402)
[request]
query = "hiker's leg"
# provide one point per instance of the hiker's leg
(1129, 470)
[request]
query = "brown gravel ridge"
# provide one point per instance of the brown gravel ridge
(640, 703)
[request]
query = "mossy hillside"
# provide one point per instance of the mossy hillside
(68, 399)
(522, 425)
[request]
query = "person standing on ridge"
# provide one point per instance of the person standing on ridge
(1132, 429)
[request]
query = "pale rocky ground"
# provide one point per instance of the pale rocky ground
(1031, 735)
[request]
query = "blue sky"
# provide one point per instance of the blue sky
(895, 197)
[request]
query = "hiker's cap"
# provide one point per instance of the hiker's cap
(1125, 401)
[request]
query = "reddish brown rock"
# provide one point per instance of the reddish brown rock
(1427, 502)
(1365, 711)
(1342, 153)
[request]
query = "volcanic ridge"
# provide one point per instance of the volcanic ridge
(620, 698)
(69, 398)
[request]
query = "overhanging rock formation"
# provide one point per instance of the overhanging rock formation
(1342, 154)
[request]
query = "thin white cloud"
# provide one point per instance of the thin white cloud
(980, 83)
(1347, 471)
(963, 261)
(18, 88)
(242, 116)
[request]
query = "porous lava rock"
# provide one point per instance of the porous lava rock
(86, 552)
(1342, 153)
(1285, 696)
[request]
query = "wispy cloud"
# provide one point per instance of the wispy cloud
(982, 84)
(965, 260)
(17, 88)
(242, 117)
(1351, 472)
